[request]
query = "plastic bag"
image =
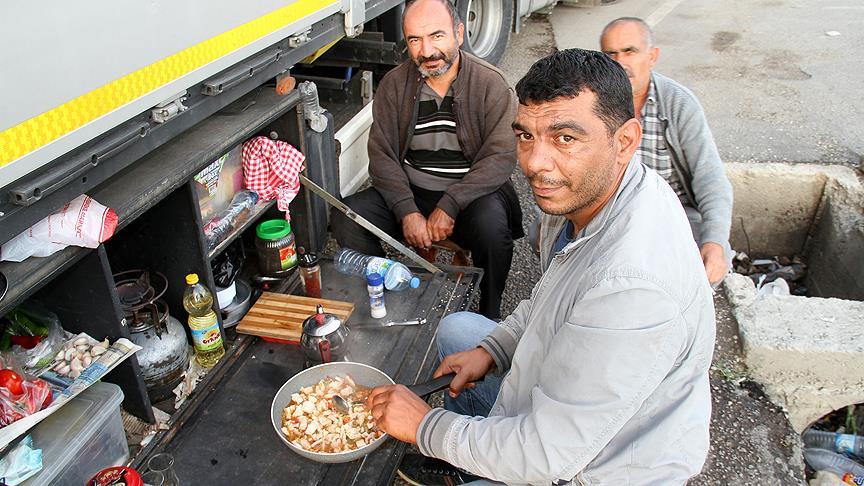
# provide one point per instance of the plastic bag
(35, 336)
(227, 264)
(35, 394)
(21, 462)
(81, 222)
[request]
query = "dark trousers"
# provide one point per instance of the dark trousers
(482, 228)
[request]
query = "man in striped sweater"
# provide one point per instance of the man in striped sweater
(441, 152)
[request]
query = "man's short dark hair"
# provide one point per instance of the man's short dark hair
(567, 73)
(448, 4)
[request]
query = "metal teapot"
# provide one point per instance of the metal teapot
(324, 338)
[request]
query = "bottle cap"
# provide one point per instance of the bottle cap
(273, 229)
(415, 282)
(374, 279)
(192, 278)
(306, 260)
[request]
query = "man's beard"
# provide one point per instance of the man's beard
(448, 59)
(594, 186)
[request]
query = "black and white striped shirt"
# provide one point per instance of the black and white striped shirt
(434, 160)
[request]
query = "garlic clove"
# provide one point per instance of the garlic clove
(76, 364)
(82, 341)
(97, 350)
(74, 374)
(86, 360)
(69, 354)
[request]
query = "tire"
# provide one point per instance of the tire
(487, 27)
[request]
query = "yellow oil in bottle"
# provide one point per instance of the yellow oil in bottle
(198, 302)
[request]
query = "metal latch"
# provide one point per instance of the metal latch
(355, 16)
(298, 40)
(366, 87)
(169, 109)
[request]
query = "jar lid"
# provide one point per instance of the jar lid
(273, 229)
(116, 475)
(374, 279)
(192, 278)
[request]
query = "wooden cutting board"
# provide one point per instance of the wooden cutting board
(281, 316)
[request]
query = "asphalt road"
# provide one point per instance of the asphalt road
(780, 80)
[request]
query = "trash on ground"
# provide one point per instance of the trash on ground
(764, 271)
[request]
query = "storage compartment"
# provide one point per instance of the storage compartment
(82, 438)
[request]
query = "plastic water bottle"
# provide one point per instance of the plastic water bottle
(832, 441)
(396, 275)
(220, 226)
(822, 460)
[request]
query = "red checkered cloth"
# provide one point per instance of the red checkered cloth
(272, 169)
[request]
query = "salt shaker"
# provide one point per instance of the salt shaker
(375, 286)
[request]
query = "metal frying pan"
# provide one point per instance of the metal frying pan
(362, 374)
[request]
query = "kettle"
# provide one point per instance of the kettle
(324, 338)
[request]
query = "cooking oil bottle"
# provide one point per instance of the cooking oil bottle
(206, 337)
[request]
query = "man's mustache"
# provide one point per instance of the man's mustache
(434, 57)
(545, 181)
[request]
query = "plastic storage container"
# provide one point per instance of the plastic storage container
(277, 255)
(82, 438)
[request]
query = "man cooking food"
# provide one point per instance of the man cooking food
(441, 153)
(601, 377)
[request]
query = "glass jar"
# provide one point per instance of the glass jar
(310, 271)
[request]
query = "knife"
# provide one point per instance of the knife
(411, 322)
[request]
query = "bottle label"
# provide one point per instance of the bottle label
(378, 265)
(207, 338)
(288, 257)
(844, 443)
(853, 480)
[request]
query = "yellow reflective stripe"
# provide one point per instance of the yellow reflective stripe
(315, 55)
(40, 130)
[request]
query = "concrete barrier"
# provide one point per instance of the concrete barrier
(807, 352)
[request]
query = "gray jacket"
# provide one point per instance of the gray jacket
(695, 158)
(606, 364)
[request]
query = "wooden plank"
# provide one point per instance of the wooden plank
(281, 316)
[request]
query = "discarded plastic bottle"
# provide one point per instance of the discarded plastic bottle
(832, 441)
(396, 275)
(822, 460)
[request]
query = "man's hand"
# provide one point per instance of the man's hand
(397, 411)
(469, 366)
(439, 225)
(714, 261)
(415, 232)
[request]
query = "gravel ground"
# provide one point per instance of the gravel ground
(751, 439)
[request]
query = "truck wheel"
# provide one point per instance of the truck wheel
(487, 27)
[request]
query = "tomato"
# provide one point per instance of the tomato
(26, 342)
(11, 381)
